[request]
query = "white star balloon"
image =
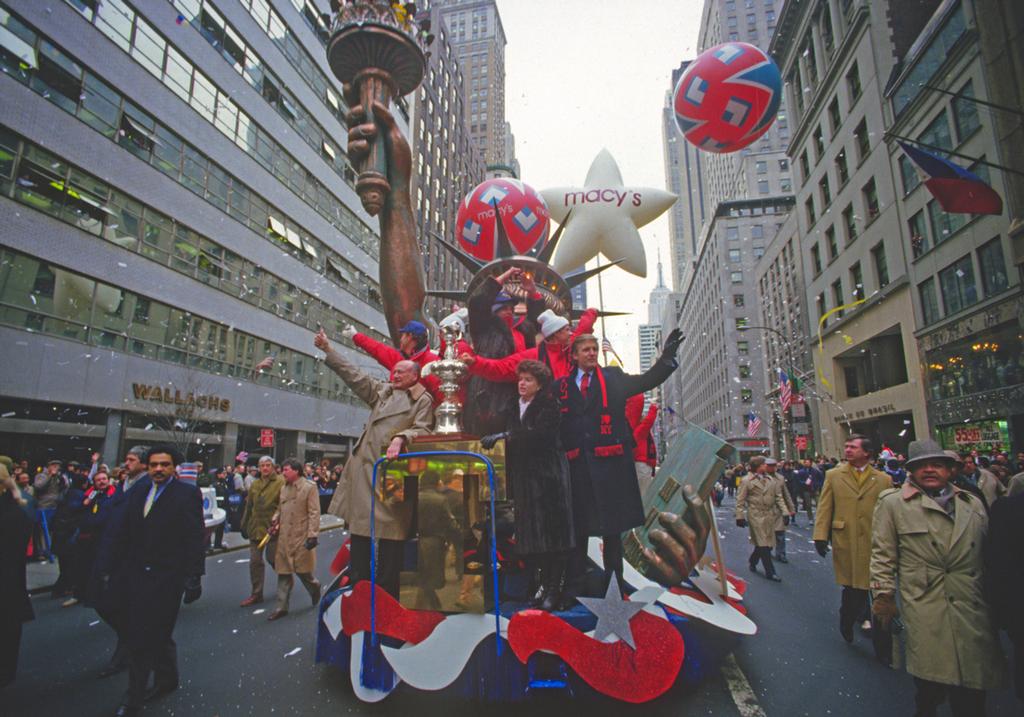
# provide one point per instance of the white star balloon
(605, 217)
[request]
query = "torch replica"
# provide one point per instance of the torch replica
(379, 48)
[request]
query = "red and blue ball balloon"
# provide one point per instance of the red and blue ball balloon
(728, 97)
(523, 214)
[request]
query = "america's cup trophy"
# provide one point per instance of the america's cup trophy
(452, 372)
(379, 49)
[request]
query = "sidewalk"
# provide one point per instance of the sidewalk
(40, 577)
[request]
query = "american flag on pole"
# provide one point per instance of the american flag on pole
(753, 425)
(785, 390)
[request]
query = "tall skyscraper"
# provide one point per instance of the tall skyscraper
(180, 219)
(476, 34)
(448, 163)
(730, 208)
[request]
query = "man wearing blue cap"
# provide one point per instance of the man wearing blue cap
(412, 346)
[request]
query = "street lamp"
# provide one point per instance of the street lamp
(787, 347)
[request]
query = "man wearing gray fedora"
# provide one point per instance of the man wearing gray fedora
(927, 542)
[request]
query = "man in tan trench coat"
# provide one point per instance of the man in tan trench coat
(927, 544)
(845, 509)
(297, 525)
(260, 506)
(759, 504)
(400, 409)
(782, 522)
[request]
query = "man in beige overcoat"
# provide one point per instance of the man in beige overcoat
(845, 509)
(400, 409)
(260, 506)
(297, 526)
(782, 522)
(927, 545)
(759, 504)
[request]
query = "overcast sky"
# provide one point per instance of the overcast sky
(580, 76)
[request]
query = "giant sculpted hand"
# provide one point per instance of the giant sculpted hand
(680, 542)
(401, 266)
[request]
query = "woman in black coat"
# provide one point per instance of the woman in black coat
(15, 607)
(538, 480)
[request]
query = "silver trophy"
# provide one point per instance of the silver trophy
(452, 373)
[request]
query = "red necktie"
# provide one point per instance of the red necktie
(585, 384)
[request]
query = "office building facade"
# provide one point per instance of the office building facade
(180, 212)
(966, 292)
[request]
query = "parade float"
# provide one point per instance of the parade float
(466, 630)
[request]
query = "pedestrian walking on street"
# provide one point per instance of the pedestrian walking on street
(759, 504)
(297, 526)
(261, 504)
(845, 511)
(783, 521)
(927, 545)
(15, 606)
(400, 409)
(162, 532)
(1004, 576)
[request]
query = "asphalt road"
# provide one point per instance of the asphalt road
(233, 662)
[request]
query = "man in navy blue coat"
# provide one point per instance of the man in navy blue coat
(598, 442)
(161, 535)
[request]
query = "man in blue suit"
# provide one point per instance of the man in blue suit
(161, 538)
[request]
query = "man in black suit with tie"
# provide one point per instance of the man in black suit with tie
(161, 535)
(598, 442)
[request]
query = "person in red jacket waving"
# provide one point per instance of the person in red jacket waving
(644, 451)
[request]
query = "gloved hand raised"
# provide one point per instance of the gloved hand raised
(488, 442)
(671, 345)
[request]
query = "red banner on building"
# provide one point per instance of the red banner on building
(266, 438)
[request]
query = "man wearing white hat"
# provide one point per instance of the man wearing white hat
(553, 352)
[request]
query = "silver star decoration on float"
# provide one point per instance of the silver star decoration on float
(613, 613)
(605, 217)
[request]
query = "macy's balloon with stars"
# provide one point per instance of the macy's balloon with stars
(522, 211)
(727, 97)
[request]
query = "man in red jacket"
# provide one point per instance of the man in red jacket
(552, 352)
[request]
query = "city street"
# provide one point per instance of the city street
(233, 662)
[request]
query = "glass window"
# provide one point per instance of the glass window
(857, 281)
(734, 256)
(862, 140)
(837, 295)
(830, 241)
(911, 179)
(167, 150)
(136, 131)
(956, 283)
(849, 224)
(835, 119)
(746, 395)
(870, 196)
(742, 322)
(157, 236)
(732, 233)
(761, 166)
(742, 348)
(149, 49)
(819, 143)
(816, 258)
(100, 107)
(115, 21)
(809, 210)
(993, 267)
(204, 96)
(842, 168)
(58, 78)
(125, 226)
(918, 234)
(826, 191)
(738, 300)
(853, 83)
(929, 301)
(822, 307)
(757, 231)
(736, 277)
(944, 224)
(937, 133)
(881, 264)
(763, 186)
(178, 74)
(965, 112)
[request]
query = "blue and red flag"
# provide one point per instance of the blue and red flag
(957, 190)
